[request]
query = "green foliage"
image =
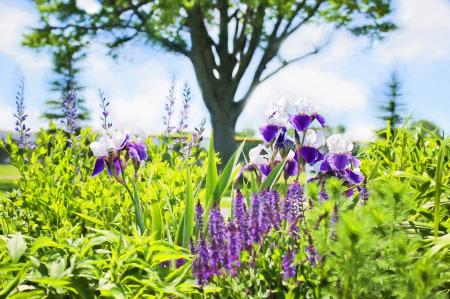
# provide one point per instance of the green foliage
(395, 245)
(65, 234)
(80, 235)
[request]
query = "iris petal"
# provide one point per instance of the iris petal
(265, 169)
(98, 167)
(325, 166)
(354, 177)
(291, 168)
(321, 120)
(269, 132)
(309, 154)
(300, 122)
(338, 161)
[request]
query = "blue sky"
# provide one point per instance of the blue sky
(345, 79)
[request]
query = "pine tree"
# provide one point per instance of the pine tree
(392, 106)
(65, 68)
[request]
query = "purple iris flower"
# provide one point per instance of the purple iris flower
(311, 155)
(291, 165)
(306, 114)
(137, 151)
(311, 141)
(269, 132)
(107, 150)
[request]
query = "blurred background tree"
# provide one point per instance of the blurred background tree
(65, 60)
(392, 107)
(230, 43)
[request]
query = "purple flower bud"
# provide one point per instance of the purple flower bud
(179, 263)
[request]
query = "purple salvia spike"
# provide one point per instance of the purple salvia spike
(200, 266)
(234, 248)
(333, 219)
(323, 195)
(289, 268)
(217, 236)
(240, 215)
(311, 253)
(199, 217)
(364, 193)
(296, 195)
(266, 213)
(275, 209)
(255, 218)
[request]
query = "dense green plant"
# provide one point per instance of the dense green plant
(82, 219)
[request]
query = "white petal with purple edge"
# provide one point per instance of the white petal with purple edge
(339, 143)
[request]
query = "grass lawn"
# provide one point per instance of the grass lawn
(8, 176)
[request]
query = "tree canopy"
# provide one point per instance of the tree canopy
(222, 38)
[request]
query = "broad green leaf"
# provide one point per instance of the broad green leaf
(16, 247)
(157, 220)
(188, 223)
(438, 191)
(90, 218)
(44, 242)
(211, 172)
(273, 177)
(227, 175)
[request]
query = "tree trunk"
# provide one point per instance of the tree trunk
(223, 126)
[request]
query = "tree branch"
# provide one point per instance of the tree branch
(257, 79)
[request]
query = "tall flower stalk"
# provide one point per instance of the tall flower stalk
(104, 105)
(69, 110)
(20, 116)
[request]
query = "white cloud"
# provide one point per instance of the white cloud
(424, 33)
(330, 91)
(14, 21)
(137, 90)
(90, 6)
(7, 120)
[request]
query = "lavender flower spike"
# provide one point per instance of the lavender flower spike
(104, 105)
(21, 128)
(69, 109)
(199, 217)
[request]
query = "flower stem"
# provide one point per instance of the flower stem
(137, 206)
